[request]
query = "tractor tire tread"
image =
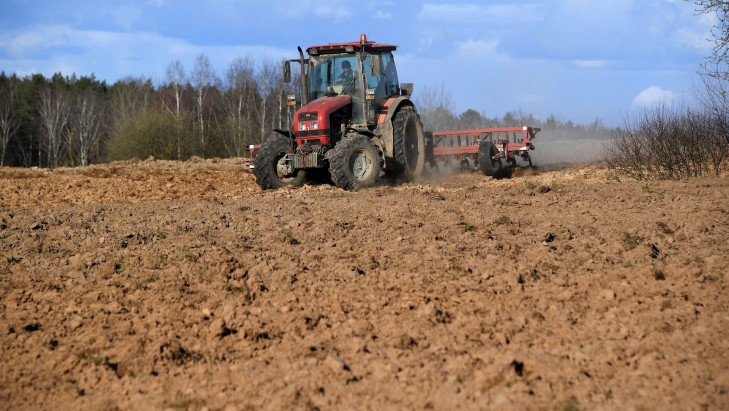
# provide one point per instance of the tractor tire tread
(264, 170)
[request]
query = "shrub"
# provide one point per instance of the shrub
(669, 143)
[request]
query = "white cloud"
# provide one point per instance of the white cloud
(476, 48)
(697, 35)
(112, 55)
(630, 33)
(533, 98)
(653, 95)
(484, 14)
(592, 64)
(332, 11)
(19, 42)
(126, 16)
(335, 9)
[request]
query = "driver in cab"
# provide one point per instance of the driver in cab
(347, 77)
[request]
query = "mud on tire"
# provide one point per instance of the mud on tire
(269, 170)
(408, 144)
(355, 163)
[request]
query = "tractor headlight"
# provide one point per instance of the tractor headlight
(302, 126)
(314, 125)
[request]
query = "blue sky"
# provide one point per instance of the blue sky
(577, 59)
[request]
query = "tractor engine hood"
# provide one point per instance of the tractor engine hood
(311, 121)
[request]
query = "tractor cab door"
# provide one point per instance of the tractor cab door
(347, 79)
(381, 75)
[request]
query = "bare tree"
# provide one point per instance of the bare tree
(266, 79)
(436, 108)
(129, 97)
(203, 78)
(283, 90)
(53, 112)
(85, 126)
(717, 64)
(714, 97)
(9, 121)
(238, 99)
(626, 152)
(175, 77)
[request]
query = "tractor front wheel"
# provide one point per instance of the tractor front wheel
(355, 163)
(271, 170)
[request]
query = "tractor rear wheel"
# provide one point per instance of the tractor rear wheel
(486, 162)
(270, 165)
(355, 163)
(408, 143)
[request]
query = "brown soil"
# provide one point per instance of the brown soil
(164, 285)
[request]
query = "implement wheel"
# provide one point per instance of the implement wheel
(486, 162)
(355, 163)
(270, 165)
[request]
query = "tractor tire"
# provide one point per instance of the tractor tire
(486, 151)
(409, 148)
(269, 165)
(355, 163)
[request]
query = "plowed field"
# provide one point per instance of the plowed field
(181, 285)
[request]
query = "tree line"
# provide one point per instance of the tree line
(76, 121)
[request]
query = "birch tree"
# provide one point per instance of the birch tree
(238, 100)
(265, 79)
(203, 77)
(175, 77)
(9, 121)
(85, 125)
(53, 113)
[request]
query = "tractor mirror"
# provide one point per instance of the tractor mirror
(287, 72)
(375, 65)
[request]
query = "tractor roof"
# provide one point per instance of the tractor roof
(350, 47)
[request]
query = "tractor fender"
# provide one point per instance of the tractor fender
(384, 122)
(284, 133)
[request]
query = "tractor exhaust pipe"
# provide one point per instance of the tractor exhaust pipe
(304, 77)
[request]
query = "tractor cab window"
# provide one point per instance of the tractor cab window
(386, 84)
(339, 74)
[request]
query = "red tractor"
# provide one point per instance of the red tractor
(356, 121)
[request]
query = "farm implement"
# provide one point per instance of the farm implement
(482, 148)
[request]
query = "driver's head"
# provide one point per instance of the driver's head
(346, 66)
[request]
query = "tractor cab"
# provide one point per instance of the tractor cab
(365, 71)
